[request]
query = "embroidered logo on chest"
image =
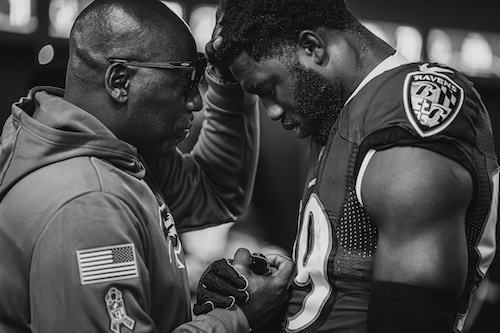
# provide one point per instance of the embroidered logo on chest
(432, 100)
(174, 243)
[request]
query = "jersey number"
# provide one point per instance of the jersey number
(313, 247)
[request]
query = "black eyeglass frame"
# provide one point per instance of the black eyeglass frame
(197, 67)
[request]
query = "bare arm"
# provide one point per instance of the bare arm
(418, 199)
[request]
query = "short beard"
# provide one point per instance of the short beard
(318, 100)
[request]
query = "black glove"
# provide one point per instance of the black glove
(216, 67)
(268, 278)
(220, 286)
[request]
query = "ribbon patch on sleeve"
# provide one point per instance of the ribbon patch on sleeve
(117, 312)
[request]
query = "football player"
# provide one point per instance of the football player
(397, 220)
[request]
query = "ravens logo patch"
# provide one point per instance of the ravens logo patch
(432, 99)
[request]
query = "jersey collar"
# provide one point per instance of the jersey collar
(392, 61)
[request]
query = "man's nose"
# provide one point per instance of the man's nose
(273, 110)
(195, 102)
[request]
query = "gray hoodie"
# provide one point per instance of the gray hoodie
(87, 240)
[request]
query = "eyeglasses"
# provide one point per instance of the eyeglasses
(197, 67)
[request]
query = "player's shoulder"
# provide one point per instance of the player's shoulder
(424, 98)
(433, 96)
(424, 71)
(419, 78)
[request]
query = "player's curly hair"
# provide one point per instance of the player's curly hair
(263, 27)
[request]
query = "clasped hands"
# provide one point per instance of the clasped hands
(260, 293)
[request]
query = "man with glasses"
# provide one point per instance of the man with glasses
(93, 191)
(197, 67)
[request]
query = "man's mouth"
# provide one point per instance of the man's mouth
(289, 124)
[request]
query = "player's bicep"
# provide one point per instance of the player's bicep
(418, 199)
(88, 263)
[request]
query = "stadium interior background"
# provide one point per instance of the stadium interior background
(464, 35)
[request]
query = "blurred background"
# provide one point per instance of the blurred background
(463, 35)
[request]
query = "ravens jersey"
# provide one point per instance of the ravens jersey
(420, 105)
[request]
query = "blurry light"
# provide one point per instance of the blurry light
(377, 30)
(406, 39)
(175, 7)
(62, 15)
(476, 53)
(439, 46)
(46, 54)
(202, 23)
(409, 42)
(20, 12)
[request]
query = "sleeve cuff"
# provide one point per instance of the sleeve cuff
(234, 320)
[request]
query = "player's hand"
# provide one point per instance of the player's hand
(268, 293)
(220, 286)
(220, 68)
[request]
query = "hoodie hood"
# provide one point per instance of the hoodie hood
(44, 129)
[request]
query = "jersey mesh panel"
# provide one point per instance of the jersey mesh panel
(476, 221)
(357, 241)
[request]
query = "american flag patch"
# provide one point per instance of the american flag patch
(106, 264)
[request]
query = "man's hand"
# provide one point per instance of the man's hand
(267, 291)
(220, 68)
(220, 286)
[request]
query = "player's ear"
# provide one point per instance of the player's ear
(311, 44)
(117, 80)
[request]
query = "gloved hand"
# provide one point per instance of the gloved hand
(220, 286)
(219, 68)
(268, 293)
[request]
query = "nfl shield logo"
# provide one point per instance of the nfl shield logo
(432, 100)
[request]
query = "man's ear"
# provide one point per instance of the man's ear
(313, 45)
(117, 79)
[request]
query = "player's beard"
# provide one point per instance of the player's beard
(317, 99)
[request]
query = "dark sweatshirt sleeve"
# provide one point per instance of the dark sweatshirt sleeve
(213, 183)
(66, 292)
(217, 321)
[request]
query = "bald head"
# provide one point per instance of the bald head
(130, 29)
